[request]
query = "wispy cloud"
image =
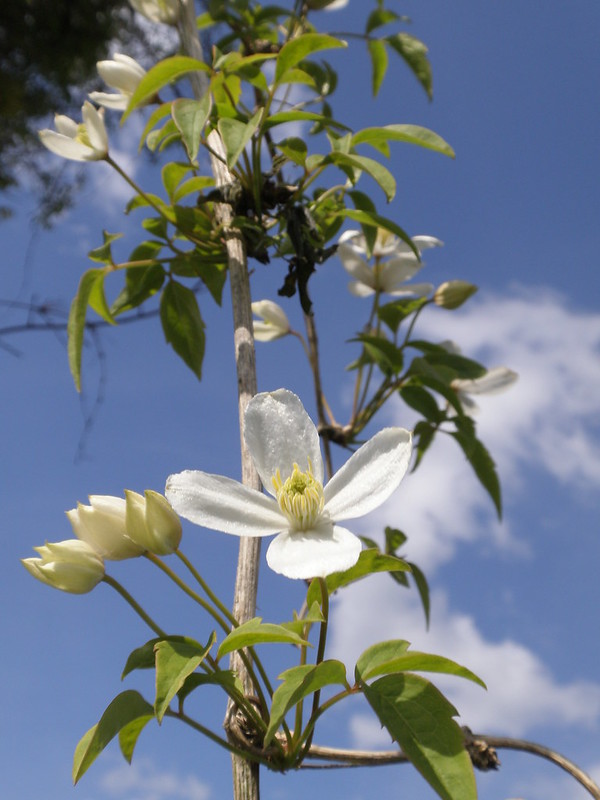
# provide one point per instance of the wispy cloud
(143, 781)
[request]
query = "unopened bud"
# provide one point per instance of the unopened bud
(453, 294)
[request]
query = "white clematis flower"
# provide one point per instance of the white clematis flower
(395, 263)
(102, 525)
(166, 11)
(71, 566)
(284, 445)
(272, 323)
(86, 141)
(123, 73)
(495, 380)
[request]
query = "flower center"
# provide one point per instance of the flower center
(300, 497)
(82, 135)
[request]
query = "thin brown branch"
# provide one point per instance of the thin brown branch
(475, 742)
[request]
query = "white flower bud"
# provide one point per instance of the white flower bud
(272, 323)
(102, 526)
(71, 566)
(152, 523)
(453, 294)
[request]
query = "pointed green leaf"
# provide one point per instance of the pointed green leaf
(182, 325)
(378, 654)
(411, 134)
(140, 284)
(225, 678)
(370, 218)
(103, 253)
(162, 111)
(393, 656)
(87, 292)
(423, 589)
(236, 135)
(175, 660)
(379, 17)
(196, 184)
(294, 148)
(379, 63)
(300, 47)
(256, 632)
(165, 72)
(190, 117)
(122, 711)
(369, 561)
(419, 718)
(422, 401)
(129, 734)
(298, 682)
(172, 174)
(414, 52)
(314, 614)
(483, 466)
(377, 171)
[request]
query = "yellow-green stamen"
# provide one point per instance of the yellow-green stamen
(300, 497)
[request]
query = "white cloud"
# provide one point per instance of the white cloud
(521, 692)
(142, 781)
(547, 422)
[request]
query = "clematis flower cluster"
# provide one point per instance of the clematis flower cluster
(395, 264)
(84, 141)
(110, 528)
(122, 73)
(302, 512)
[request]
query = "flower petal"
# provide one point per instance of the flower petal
(359, 289)
(412, 290)
(66, 147)
(279, 433)
(495, 380)
(94, 125)
(117, 102)
(222, 504)
(370, 475)
(355, 265)
(315, 553)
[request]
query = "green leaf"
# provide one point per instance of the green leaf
(255, 632)
(298, 682)
(422, 401)
(103, 253)
(482, 464)
(190, 117)
(419, 718)
(377, 171)
(423, 589)
(411, 134)
(314, 614)
(281, 117)
(165, 72)
(163, 110)
(380, 17)
(390, 657)
(414, 53)
(236, 135)
(175, 660)
(182, 325)
(195, 184)
(126, 708)
(87, 290)
(129, 734)
(384, 353)
(141, 283)
(225, 678)
(213, 275)
(369, 561)
(294, 148)
(370, 218)
(300, 47)
(379, 63)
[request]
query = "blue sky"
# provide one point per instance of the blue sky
(516, 94)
